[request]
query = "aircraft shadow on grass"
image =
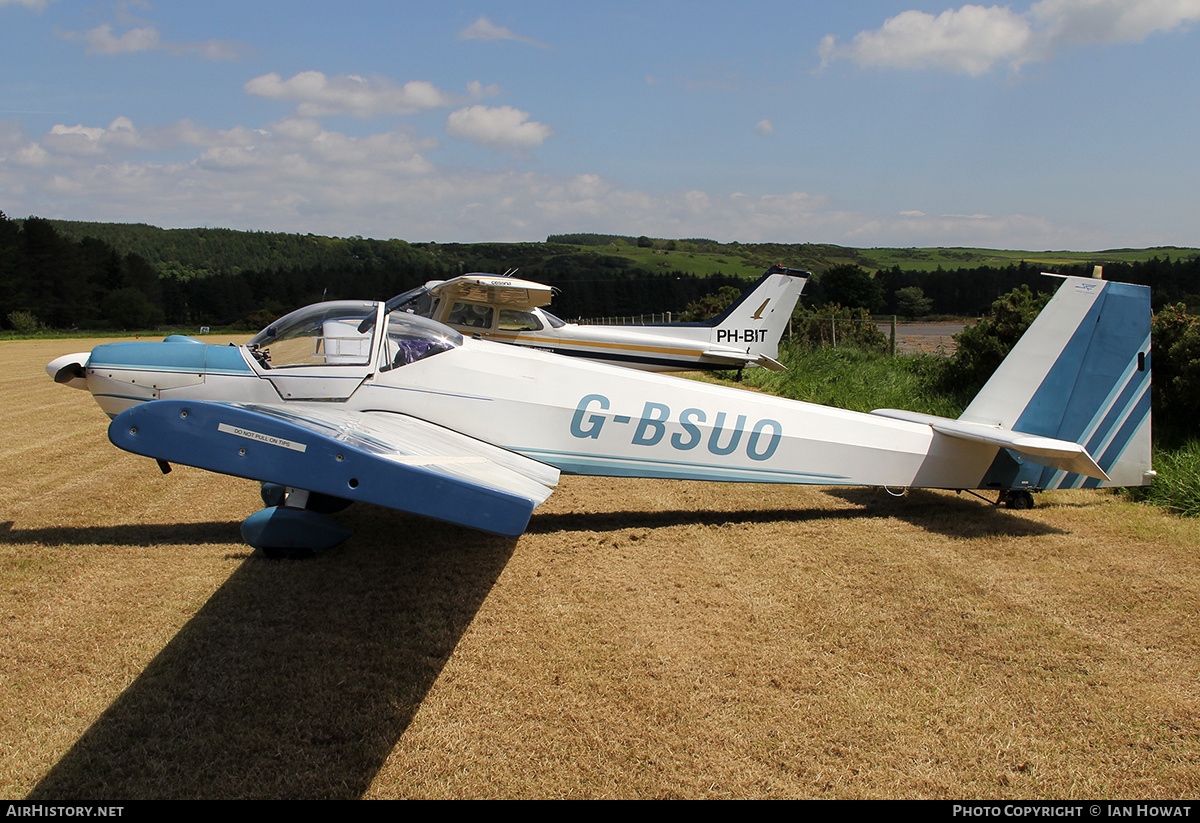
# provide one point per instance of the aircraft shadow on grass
(927, 510)
(298, 679)
(134, 534)
(962, 517)
(295, 679)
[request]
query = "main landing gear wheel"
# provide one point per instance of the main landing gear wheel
(282, 532)
(294, 525)
(1017, 499)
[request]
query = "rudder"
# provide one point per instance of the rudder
(1081, 373)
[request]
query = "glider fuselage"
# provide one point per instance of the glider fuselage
(581, 417)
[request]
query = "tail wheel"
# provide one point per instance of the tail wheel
(1018, 499)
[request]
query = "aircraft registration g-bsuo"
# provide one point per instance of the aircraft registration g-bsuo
(348, 401)
(508, 310)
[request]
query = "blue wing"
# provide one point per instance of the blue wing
(374, 457)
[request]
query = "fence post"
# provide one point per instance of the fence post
(892, 344)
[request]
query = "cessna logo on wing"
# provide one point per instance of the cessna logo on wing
(650, 429)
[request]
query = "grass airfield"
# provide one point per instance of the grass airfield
(642, 639)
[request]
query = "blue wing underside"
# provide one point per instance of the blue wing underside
(376, 457)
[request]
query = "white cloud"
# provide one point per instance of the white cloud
(35, 5)
(1106, 22)
(484, 29)
(498, 127)
(319, 95)
(970, 40)
(764, 127)
(102, 41)
(974, 40)
(82, 140)
(296, 175)
(292, 174)
(213, 49)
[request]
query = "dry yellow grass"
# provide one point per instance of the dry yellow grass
(643, 639)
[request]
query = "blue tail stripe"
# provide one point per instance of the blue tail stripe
(1044, 414)
(1117, 409)
(1112, 451)
(1129, 398)
(1096, 357)
(1125, 434)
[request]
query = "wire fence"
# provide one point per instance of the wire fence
(890, 334)
(630, 320)
(815, 330)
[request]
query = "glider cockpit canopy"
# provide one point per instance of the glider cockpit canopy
(342, 333)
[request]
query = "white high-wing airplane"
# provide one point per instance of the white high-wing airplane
(349, 401)
(508, 310)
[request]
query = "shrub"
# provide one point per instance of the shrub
(1176, 364)
(853, 327)
(24, 322)
(983, 346)
(1177, 486)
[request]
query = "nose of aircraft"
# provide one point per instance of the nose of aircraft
(69, 369)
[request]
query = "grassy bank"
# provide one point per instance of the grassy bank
(855, 379)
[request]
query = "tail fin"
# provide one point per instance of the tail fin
(757, 319)
(1080, 373)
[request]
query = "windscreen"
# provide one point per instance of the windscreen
(411, 338)
(325, 334)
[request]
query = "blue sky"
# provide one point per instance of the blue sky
(1058, 124)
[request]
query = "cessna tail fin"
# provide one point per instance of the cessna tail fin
(1080, 373)
(756, 321)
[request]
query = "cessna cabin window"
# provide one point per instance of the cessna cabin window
(411, 338)
(424, 305)
(554, 321)
(326, 334)
(471, 315)
(514, 320)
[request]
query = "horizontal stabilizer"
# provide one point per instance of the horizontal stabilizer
(737, 359)
(1047, 451)
(381, 458)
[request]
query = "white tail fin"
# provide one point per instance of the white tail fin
(757, 320)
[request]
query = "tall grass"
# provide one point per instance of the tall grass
(856, 379)
(1177, 486)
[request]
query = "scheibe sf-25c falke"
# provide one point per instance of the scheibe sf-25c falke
(348, 401)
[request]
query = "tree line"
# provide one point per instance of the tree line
(63, 275)
(72, 280)
(970, 292)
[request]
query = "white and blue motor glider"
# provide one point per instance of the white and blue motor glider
(351, 401)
